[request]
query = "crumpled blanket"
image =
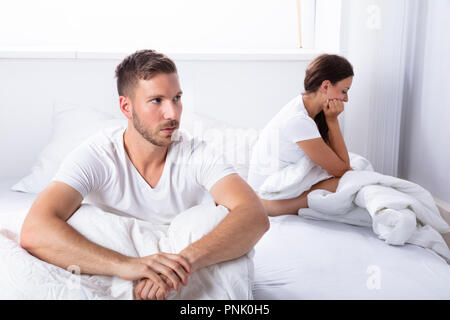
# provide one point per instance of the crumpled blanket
(399, 211)
(23, 276)
(293, 180)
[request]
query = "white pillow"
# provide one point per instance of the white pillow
(234, 142)
(72, 124)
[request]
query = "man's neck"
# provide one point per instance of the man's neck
(144, 155)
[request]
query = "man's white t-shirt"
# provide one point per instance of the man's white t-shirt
(101, 171)
(276, 146)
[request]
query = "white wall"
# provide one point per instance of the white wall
(425, 138)
(243, 91)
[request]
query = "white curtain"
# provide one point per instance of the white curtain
(373, 36)
(424, 142)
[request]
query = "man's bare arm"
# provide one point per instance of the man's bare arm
(46, 235)
(238, 232)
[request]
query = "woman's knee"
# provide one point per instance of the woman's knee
(329, 184)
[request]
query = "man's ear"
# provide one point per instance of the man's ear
(125, 106)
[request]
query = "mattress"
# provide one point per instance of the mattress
(14, 206)
(300, 258)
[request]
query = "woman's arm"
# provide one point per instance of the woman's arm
(333, 157)
(322, 154)
(337, 143)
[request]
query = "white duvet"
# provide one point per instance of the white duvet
(398, 211)
(22, 276)
(294, 179)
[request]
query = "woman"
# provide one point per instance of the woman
(307, 126)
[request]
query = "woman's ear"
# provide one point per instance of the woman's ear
(324, 86)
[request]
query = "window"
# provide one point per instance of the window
(306, 22)
(319, 24)
(118, 25)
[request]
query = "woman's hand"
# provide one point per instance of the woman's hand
(333, 108)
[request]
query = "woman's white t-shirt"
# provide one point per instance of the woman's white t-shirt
(276, 146)
(101, 171)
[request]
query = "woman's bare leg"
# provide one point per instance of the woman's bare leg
(291, 206)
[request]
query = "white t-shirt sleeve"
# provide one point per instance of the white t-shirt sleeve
(211, 166)
(83, 169)
(300, 128)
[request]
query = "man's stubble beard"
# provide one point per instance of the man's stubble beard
(148, 135)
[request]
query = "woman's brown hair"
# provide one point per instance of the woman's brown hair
(325, 67)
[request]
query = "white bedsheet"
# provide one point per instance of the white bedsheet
(301, 258)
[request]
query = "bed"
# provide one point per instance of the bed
(300, 258)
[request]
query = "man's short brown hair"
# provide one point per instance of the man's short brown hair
(143, 64)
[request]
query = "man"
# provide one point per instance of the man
(134, 171)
